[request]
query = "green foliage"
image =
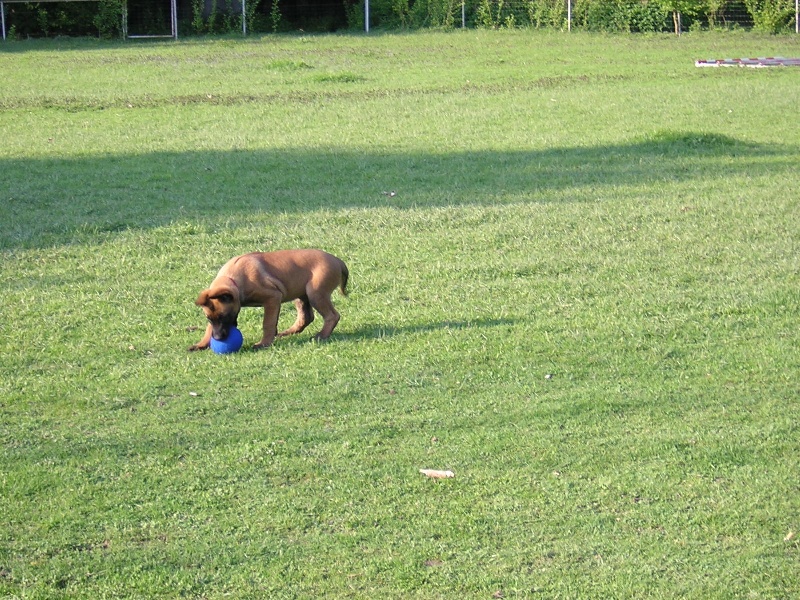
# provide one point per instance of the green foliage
(275, 16)
(680, 9)
(620, 16)
(486, 17)
(499, 14)
(400, 10)
(198, 18)
(648, 16)
(108, 19)
(76, 18)
(436, 13)
(713, 11)
(42, 19)
(221, 18)
(771, 16)
(354, 13)
(213, 17)
(546, 13)
(251, 9)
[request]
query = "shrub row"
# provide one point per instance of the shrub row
(103, 18)
(634, 16)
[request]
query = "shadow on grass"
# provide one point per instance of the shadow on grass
(370, 331)
(378, 331)
(51, 201)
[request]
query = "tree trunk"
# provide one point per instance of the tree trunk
(676, 19)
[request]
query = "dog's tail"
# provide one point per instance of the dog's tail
(345, 277)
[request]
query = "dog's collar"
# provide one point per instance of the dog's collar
(233, 281)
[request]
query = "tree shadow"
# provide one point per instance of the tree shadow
(49, 201)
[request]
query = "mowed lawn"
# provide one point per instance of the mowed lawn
(575, 282)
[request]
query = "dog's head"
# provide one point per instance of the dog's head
(221, 305)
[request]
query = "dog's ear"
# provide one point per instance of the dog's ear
(225, 298)
(203, 298)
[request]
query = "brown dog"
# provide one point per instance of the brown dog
(268, 279)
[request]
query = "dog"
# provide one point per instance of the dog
(269, 279)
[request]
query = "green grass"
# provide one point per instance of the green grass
(583, 298)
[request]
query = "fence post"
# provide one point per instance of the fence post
(569, 15)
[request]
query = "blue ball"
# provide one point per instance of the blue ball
(230, 344)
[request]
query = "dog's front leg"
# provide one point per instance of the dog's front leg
(203, 343)
(272, 309)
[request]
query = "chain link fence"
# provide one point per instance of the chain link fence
(104, 18)
(630, 16)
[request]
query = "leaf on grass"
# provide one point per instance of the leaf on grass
(435, 474)
(433, 562)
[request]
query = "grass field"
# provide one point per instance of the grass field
(575, 283)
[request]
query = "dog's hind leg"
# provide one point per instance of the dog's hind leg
(323, 305)
(305, 314)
